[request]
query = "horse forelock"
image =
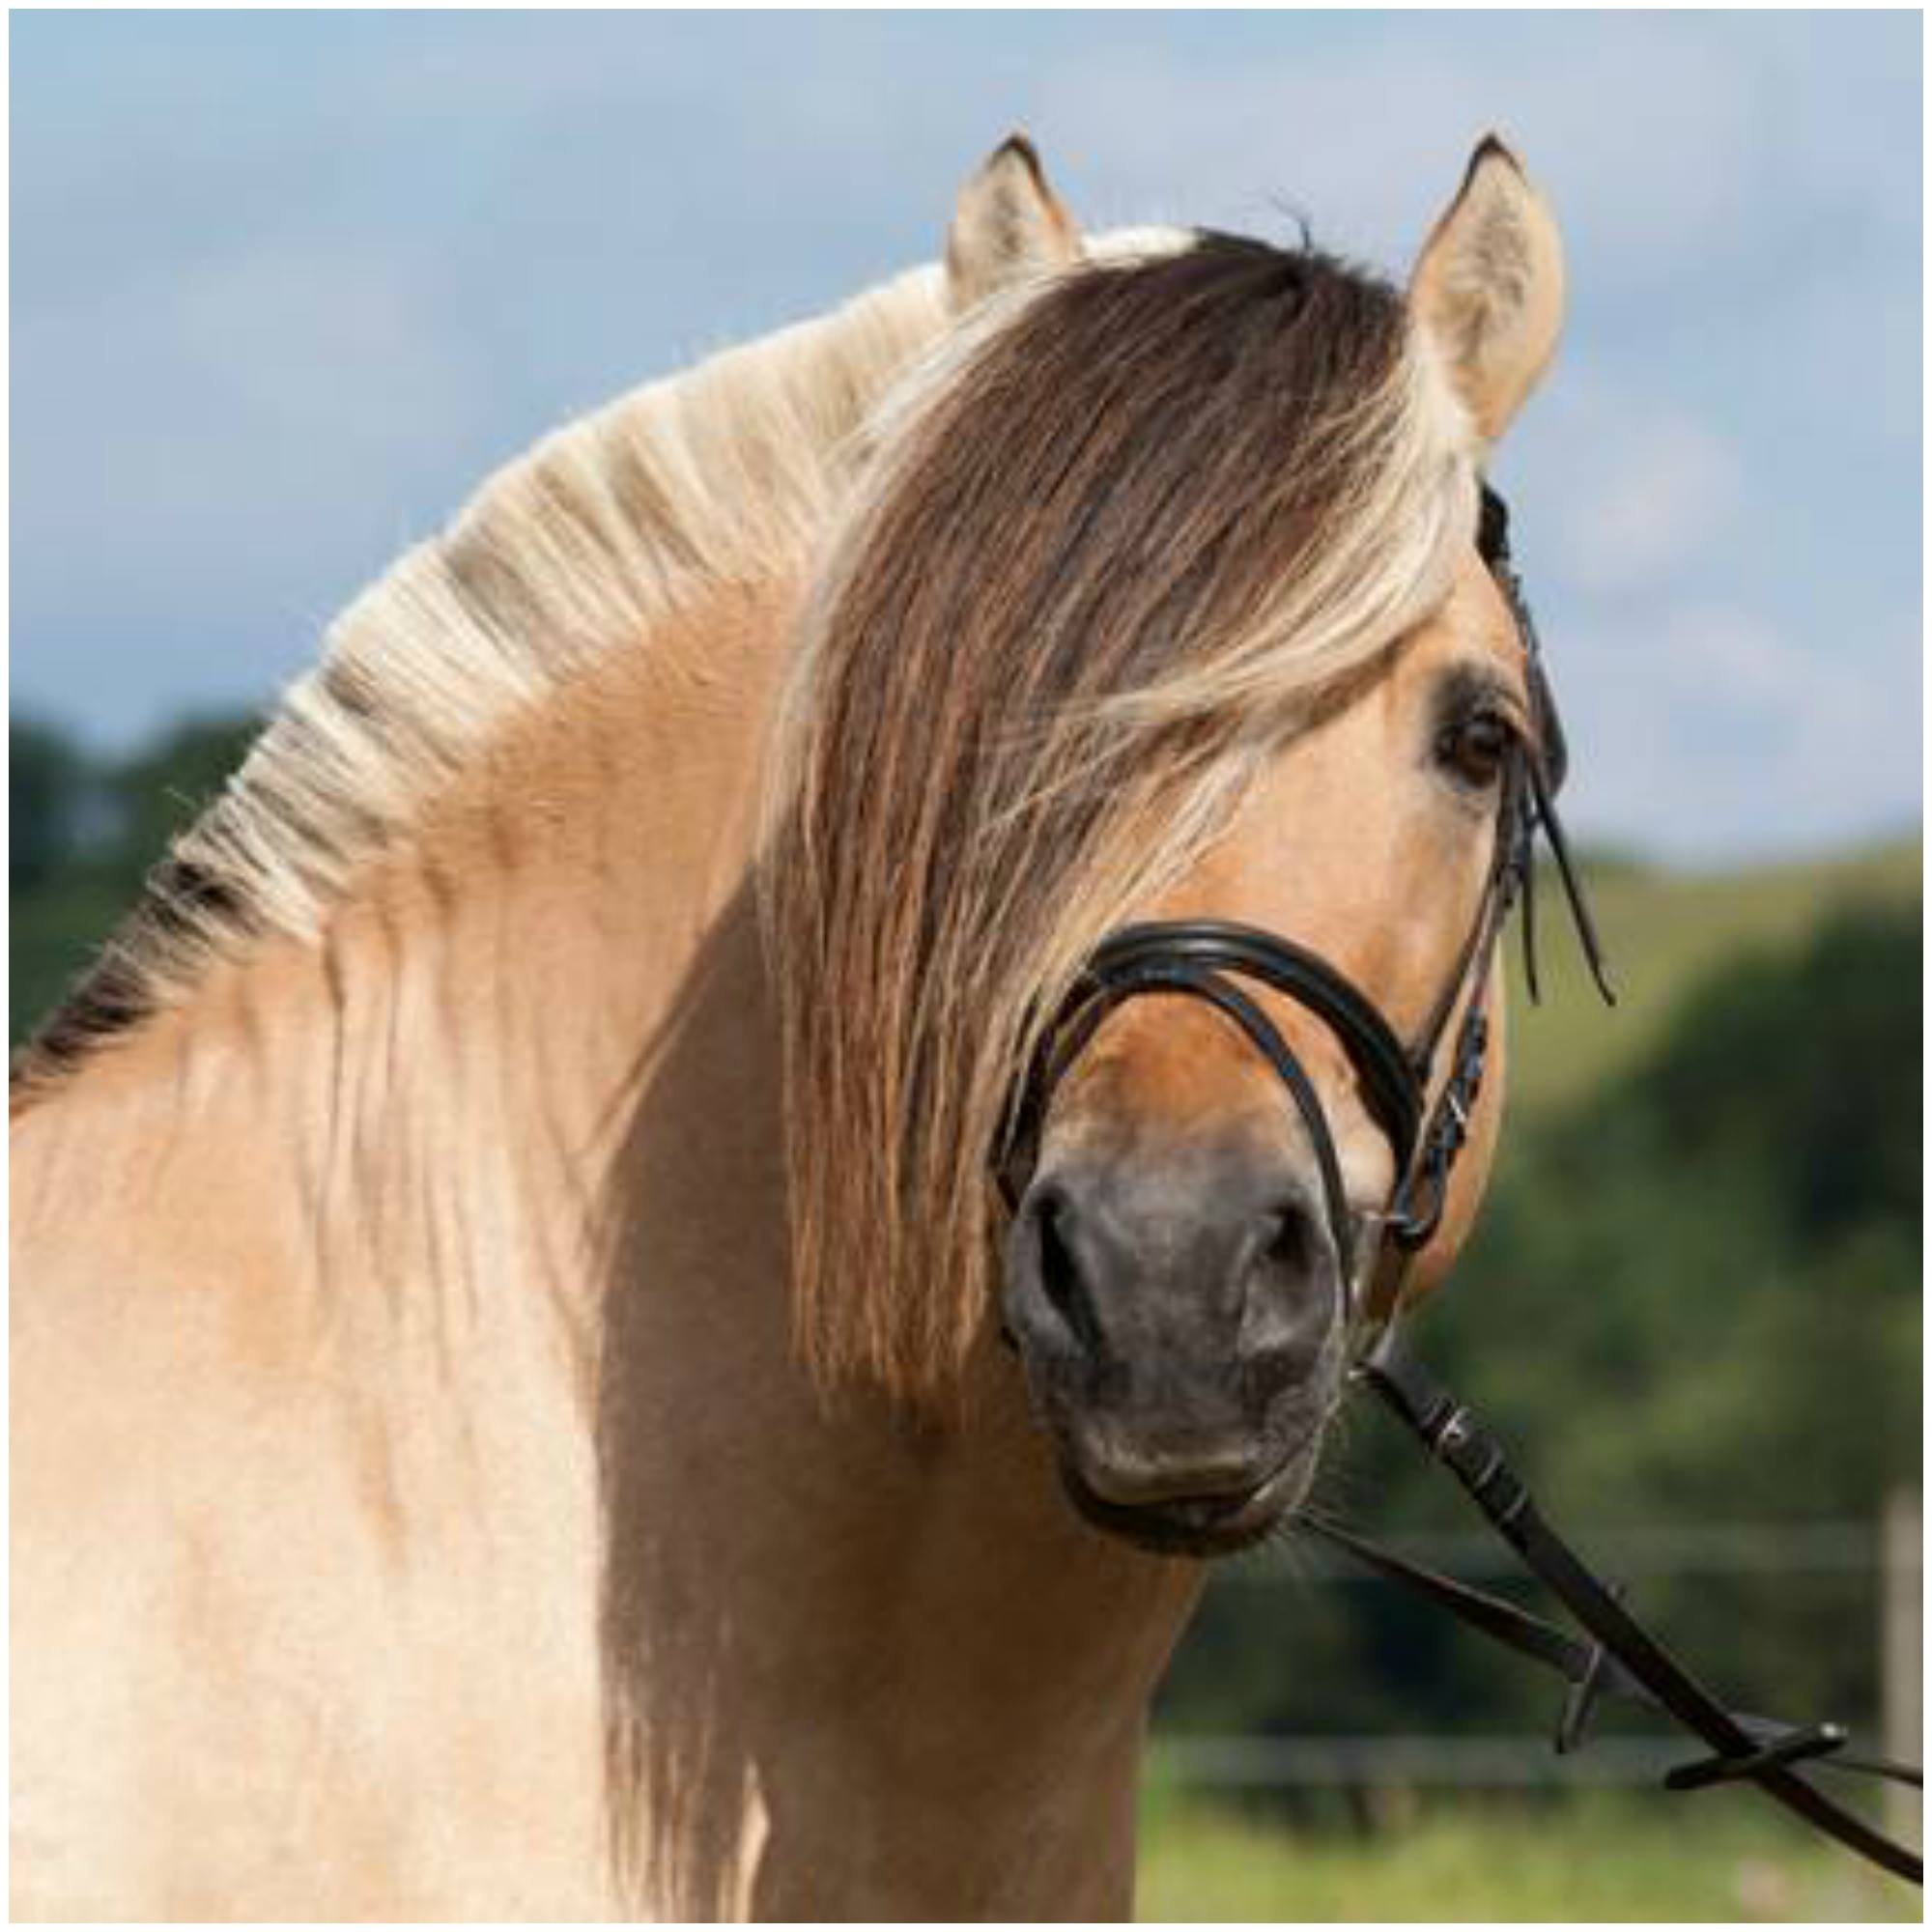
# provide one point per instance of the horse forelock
(1141, 533)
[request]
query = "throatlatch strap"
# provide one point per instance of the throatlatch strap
(1622, 1659)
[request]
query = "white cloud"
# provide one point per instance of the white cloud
(1629, 494)
(1700, 731)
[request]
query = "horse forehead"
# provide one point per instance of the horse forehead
(1474, 617)
(1473, 623)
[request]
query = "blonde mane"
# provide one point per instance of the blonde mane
(726, 473)
(1137, 542)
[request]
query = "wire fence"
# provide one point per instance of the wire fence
(1508, 1763)
(1670, 1550)
(1888, 1551)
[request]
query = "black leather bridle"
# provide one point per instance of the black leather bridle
(1210, 959)
(1217, 961)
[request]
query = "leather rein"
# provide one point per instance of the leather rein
(1425, 1123)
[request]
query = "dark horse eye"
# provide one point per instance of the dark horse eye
(1473, 748)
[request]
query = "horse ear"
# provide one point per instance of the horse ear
(1487, 287)
(1008, 225)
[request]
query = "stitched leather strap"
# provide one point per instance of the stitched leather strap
(1391, 1087)
(1623, 1657)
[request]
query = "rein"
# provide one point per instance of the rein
(1620, 1659)
(1208, 960)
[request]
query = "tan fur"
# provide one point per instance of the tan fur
(467, 1585)
(1009, 225)
(419, 1509)
(1487, 290)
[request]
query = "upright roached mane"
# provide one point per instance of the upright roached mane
(728, 472)
(1146, 532)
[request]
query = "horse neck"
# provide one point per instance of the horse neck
(857, 1665)
(527, 1153)
(527, 957)
(407, 1118)
(805, 1604)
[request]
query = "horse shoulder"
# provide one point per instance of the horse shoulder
(245, 1683)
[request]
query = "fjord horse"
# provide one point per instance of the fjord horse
(509, 1410)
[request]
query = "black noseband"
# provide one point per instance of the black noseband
(1202, 959)
(1391, 1082)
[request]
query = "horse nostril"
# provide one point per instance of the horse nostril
(1206, 1270)
(1290, 1302)
(1060, 1277)
(1292, 1250)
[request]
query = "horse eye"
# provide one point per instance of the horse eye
(1473, 748)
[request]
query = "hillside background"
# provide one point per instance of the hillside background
(1692, 1309)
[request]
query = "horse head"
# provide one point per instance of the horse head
(1170, 611)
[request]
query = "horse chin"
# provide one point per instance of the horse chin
(1204, 1526)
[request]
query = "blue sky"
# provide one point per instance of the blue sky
(286, 286)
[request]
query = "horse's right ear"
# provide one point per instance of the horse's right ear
(1008, 225)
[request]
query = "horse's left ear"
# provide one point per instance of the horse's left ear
(1008, 225)
(1487, 289)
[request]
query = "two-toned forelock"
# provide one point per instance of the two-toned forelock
(1103, 570)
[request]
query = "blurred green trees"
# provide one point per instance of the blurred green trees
(48, 781)
(84, 830)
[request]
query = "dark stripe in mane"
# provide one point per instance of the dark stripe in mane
(117, 992)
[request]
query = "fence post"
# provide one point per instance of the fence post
(1903, 1655)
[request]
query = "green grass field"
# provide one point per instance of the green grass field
(1664, 930)
(1576, 1856)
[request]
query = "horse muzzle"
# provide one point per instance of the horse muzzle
(1181, 1319)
